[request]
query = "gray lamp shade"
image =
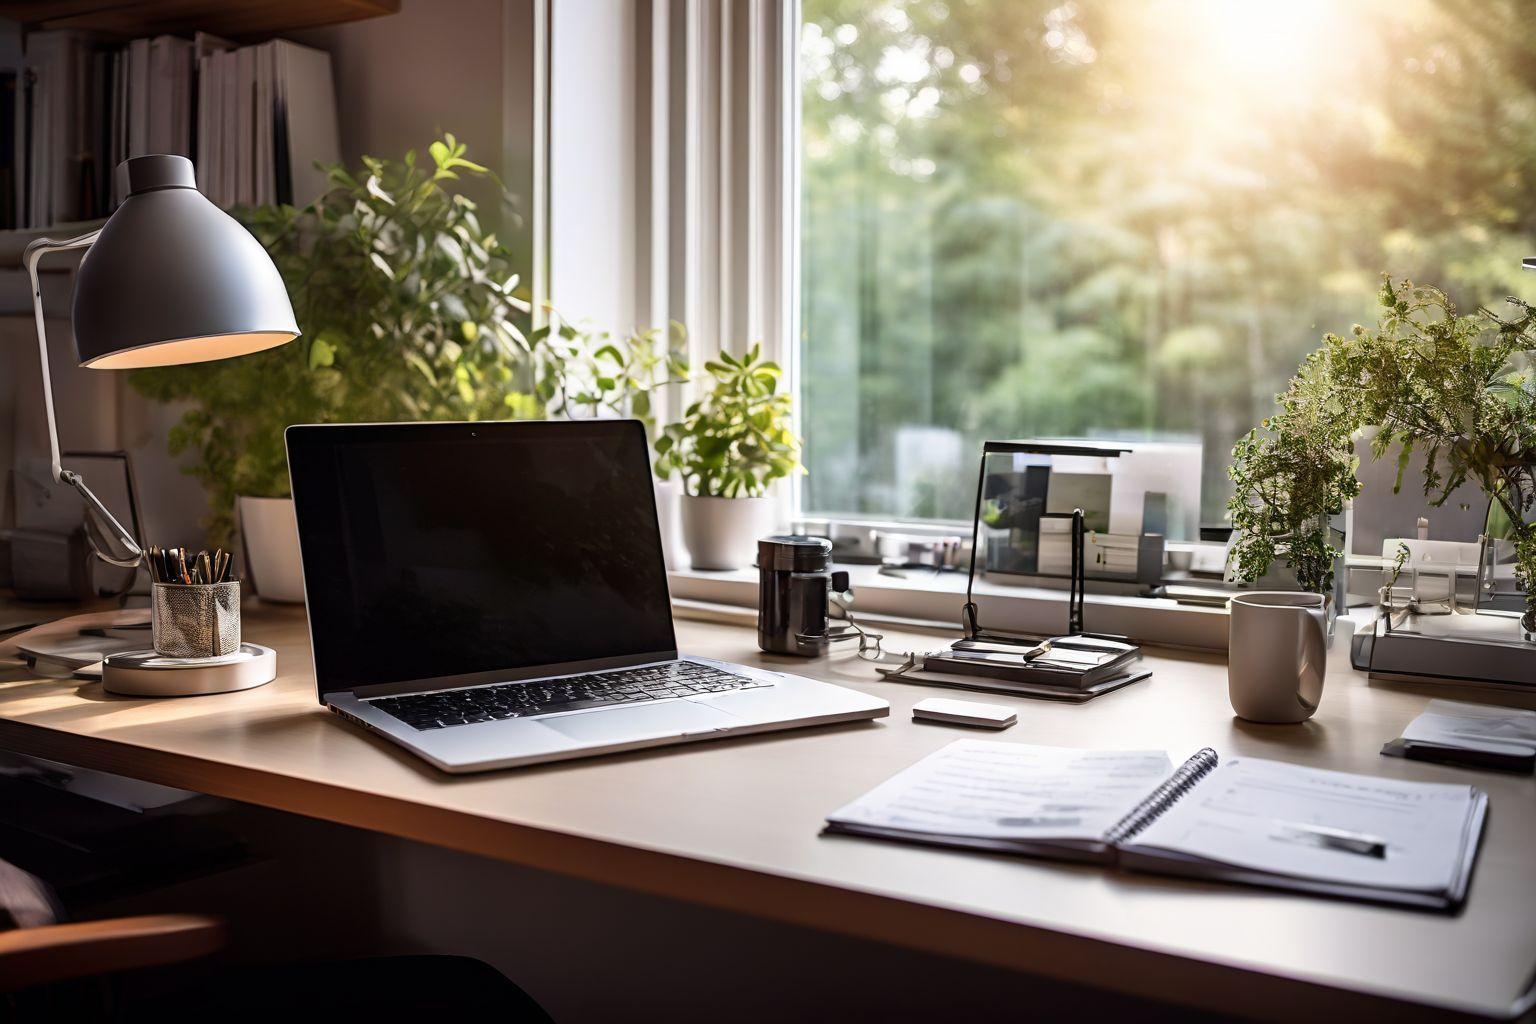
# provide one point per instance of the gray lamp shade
(174, 279)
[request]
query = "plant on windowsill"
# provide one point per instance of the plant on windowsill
(728, 447)
(408, 309)
(1460, 388)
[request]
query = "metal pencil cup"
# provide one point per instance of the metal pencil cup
(198, 620)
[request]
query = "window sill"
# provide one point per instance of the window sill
(926, 599)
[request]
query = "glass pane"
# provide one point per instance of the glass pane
(1128, 218)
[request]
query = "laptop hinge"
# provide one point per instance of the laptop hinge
(569, 668)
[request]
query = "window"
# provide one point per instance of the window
(1127, 218)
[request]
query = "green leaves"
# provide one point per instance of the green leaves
(589, 372)
(1453, 387)
(321, 353)
(735, 440)
(409, 309)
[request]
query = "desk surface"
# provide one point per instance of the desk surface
(734, 824)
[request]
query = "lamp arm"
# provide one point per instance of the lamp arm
(35, 251)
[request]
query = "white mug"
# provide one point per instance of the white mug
(1277, 655)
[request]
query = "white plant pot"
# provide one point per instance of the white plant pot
(722, 533)
(269, 532)
(668, 494)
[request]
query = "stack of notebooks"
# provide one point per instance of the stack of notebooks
(1245, 821)
(1067, 668)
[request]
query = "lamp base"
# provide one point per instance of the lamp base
(147, 674)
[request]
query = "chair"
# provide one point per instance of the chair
(45, 955)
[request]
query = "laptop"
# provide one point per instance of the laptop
(493, 594)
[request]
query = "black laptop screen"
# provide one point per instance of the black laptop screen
(438, 550)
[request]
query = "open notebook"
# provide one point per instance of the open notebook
(1249, 821)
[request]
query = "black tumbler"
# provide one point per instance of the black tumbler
(794, 576)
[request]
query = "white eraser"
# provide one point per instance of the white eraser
(964, 712)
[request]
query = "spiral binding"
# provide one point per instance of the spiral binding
(1199, 765)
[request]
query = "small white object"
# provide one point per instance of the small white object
(964, 712)
(147, 674)
(269, 531)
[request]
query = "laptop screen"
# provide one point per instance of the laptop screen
(476, 552)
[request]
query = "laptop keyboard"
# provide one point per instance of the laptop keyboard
(445, 708)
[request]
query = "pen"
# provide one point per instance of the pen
(1361, 843)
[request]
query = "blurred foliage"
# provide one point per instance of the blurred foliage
(1116, 217)
(736, 440)
(409, 310)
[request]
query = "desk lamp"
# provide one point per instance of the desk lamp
(168, 279)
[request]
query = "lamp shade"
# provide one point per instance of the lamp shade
(174, 279)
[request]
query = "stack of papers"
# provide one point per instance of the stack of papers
(1474, 735)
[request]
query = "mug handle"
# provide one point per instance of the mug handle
(1312, 666)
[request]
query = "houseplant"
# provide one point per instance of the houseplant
(409, 310)
(1290, 477)
(1461, 389)
(728, 447)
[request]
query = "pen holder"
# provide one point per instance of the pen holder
(196, 620)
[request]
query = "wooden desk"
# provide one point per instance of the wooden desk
(734, 824)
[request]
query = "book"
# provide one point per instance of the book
(1246, 820)
(305, 131)
(245, 125)
(1470, 735)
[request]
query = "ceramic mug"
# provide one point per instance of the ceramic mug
(1277, 654)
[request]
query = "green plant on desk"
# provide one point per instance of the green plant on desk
(736, 440)
(1460, 389)
(1290, 477)
(409, 309)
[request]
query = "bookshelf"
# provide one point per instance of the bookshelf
(235, 19)
(97, 81)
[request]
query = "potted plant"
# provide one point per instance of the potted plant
(728, 447)
(1462, 389)
(1291, 477)
(408, 310)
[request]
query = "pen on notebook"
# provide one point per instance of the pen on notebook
(1343, 840)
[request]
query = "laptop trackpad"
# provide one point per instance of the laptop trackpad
(610, 725)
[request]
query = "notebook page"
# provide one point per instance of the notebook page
(1259, 815)
(987, 789)
(1495, 730)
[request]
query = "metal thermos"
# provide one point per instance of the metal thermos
(794, 581)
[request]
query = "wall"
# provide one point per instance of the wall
(460, 66)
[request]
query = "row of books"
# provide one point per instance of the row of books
(73, 106)
(266, 115)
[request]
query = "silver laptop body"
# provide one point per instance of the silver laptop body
(474, 567)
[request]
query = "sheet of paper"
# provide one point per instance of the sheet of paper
(1272, 817)
(993, 790)
(1450, 723)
